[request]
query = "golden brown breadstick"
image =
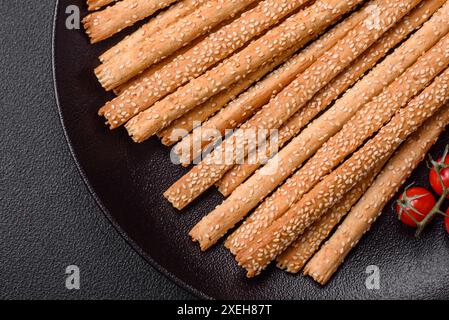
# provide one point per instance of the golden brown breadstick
(367, 121)
(156, 24)
(293, 97)
(240, 172)
(154, 48)
(245, 105)
(195, 61)
(295, 257)
(103, 24)
(362, 125)
(204, 111)
(267, 246)
(93, 5)
(326, 261)
(320, 130)
(292, 31)
(132, 86)
(195, 117)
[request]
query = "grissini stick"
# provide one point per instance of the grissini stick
(245, 105)
(258, 254)
(294, 30)
(156, 24)
(152, 86)
(193, 119)
(329, 123)
(326, 261)
(93, 5)
(240, 172)
(204, 111)
(160, 45)
(155, 70)
(284, 105)
(368, 120)
(360, 127)
(296, 256)
(103, 24)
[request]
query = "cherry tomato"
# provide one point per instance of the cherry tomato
(446, 220)
(416, 202)
(435, 181)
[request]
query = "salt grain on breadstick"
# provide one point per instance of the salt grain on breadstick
(195, 61)
(324, 264)
(156, 47)
(300, 91)
(292, 31)
(245, 105)
(267, 246)
(156, 24)
(103, 24)
(309, 141)
(240, 172)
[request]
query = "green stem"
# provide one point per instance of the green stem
(435, 210)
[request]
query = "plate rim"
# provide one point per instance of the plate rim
(146, 257)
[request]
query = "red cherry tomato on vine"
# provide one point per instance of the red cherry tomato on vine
(416, 202)
(435, 181)
(446, 220)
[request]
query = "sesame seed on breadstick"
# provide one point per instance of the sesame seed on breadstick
(93, 5)
(368, 120)
(295, 29)
(104, 24)
(152, 86)
(156, 24)
(284, 105)
(292, 98)
(328, 124)
(360, 127)
(161, 44)
(371, 118)
(295, 257)
(245, 105)
(256, 256)
(205, 110)
(240, 172)
(134, 86)
(326, 261)
(195, 117)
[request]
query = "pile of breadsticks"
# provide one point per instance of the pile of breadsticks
(354, 91)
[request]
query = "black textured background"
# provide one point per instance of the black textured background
(48, 219)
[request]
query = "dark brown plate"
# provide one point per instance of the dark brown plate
(127, 181)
